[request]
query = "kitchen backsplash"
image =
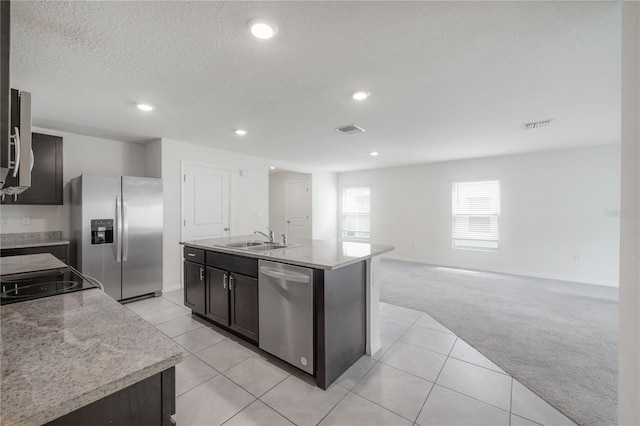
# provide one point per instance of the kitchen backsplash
(30, 237)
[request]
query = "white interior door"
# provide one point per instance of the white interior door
(205, 202)
(298, 211)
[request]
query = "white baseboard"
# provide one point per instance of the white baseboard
(168, 288)
(558, 277)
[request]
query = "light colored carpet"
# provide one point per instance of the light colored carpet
(560, 339)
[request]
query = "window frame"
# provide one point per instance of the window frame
(343, 215)
(494, 219)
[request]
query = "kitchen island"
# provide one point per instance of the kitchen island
(82, 358)
(225, 283)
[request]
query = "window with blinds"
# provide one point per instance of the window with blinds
(356, 214)
(475, 221)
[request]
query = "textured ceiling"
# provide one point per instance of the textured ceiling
(449, 80)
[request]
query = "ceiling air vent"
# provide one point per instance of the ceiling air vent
(536, 124)
(350, 129)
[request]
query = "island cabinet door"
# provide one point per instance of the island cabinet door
(244, 305)
(194, 287)
(218, 295)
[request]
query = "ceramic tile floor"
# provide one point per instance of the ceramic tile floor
(423, 375)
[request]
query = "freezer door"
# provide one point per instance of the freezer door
(141, 236)
(99, 202)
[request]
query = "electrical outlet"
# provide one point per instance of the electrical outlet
(26, 220)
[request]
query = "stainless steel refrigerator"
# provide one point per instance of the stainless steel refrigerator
(116, 227)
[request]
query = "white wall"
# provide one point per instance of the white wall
(153, 159)
(249, 197)
(80, 154)
(629, 341)
(324, 191)
(278, 199)
(553, 205)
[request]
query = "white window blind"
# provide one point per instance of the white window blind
(476, 215)
(356, 214)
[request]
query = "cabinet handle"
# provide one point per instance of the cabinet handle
(191, 254)
(201, 274)
(231, 282)
(224, 281)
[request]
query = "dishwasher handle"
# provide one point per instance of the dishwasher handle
(285, 276)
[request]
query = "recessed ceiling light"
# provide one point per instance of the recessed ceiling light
(146, 107)
(272, 168)
(261, 28)
(360, 95)
(241, 132)
(373, 154)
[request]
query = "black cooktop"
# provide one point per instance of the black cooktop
(34, 285)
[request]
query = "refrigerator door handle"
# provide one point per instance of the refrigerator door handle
(16, 144)
(125, 231)
(118, 229)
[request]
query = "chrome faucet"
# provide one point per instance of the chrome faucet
(284, 239)
(270, 236)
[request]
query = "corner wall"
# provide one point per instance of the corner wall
(554, 205)
(629, 340)
(324, 202)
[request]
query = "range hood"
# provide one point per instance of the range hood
(16, 156)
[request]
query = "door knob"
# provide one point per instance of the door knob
(226, 229)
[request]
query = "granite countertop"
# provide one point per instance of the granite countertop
(319, 254)
(29, 263)
(32, 239)
(27, 244)
(63, 352)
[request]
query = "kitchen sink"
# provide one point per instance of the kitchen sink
(256, 245)
(267, 247)
(245, 244)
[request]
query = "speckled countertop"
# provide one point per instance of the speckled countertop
(32, 239)
(63, 352)
(319, 254)
(29, 263)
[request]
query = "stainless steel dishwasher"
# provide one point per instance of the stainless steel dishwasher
(286, 313)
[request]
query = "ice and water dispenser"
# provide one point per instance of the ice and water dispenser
(101, 231)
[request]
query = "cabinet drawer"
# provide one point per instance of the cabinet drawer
(194, 255)
(228, 262)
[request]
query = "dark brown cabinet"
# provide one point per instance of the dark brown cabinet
(60, 251)
(46, 176)
(194, 287)
(218, 295)
(5, 89)
(223, 288)
(243, 316)
(151, 401)
(232, 301)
